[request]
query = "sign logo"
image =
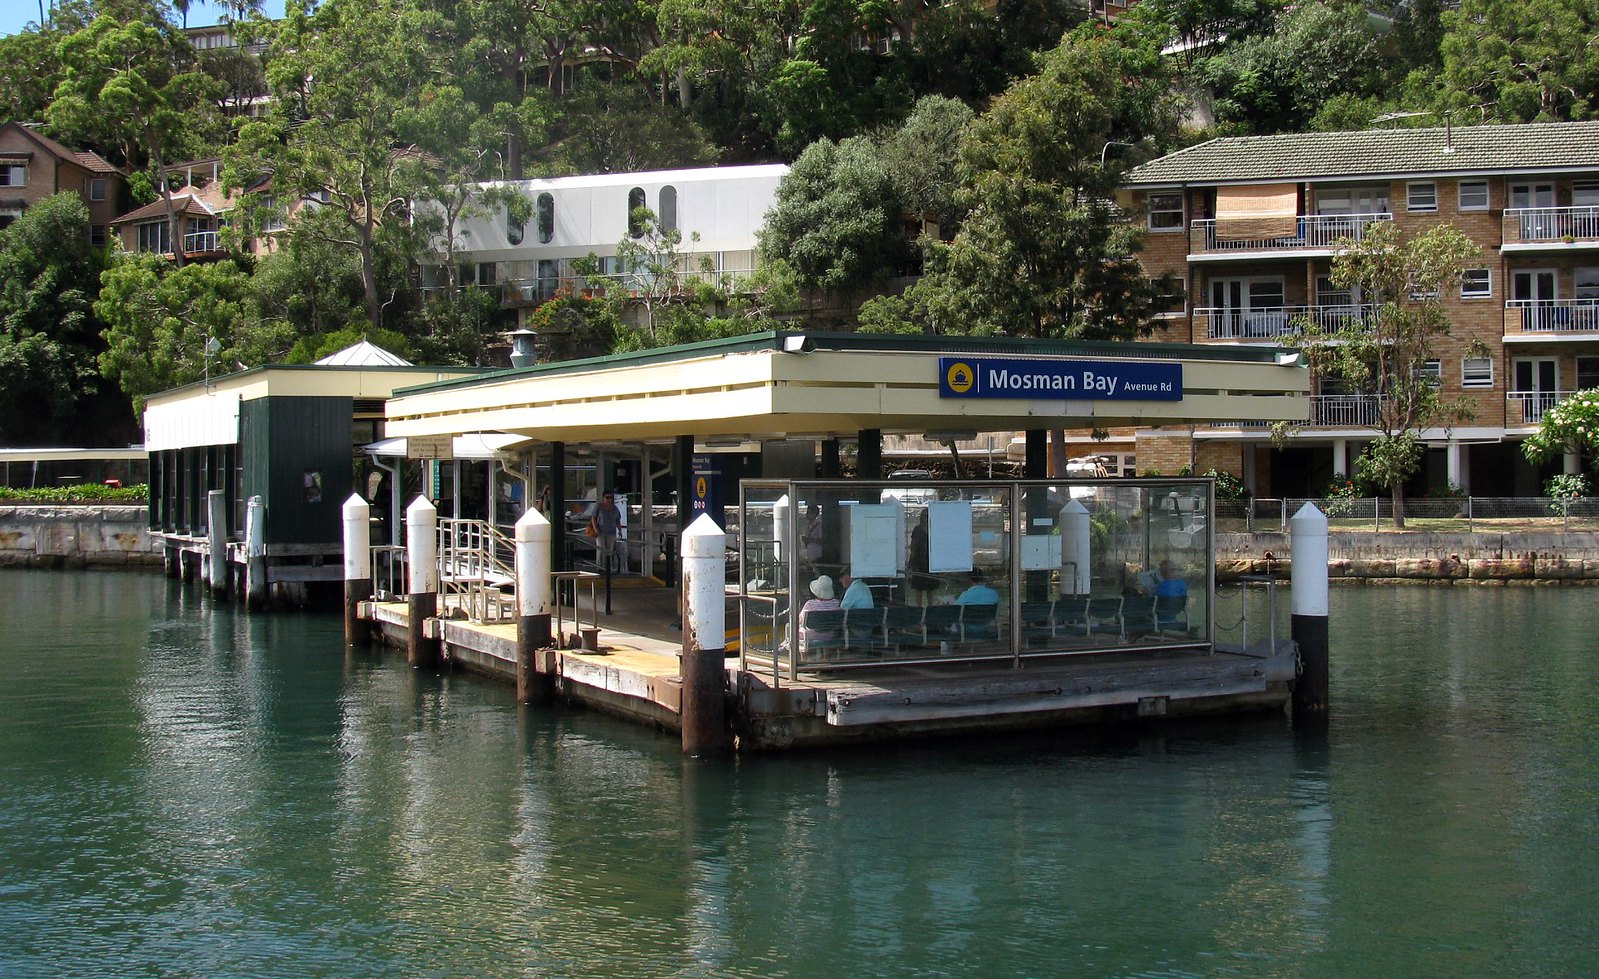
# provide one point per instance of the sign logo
(1067, 380)
(701, 487)
(959, 376)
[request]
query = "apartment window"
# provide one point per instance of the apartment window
(668, 215)
(154, 236)
(1477, 372)
(515, 228)
(1476, 284)
(272, 218)
(485, 273)
(546, 218)
(635, 220)
(13, 175)
(1165, 212)
(1587, 373)
(1588, 283)
(1171, 299)
(1474, 195)
(1421, 197)
(97, 188)
(97, 235)
(1431, 372)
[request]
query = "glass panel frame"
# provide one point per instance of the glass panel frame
(847, 574)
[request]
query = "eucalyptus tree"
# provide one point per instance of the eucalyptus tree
(135, 84)
(1530, 61)
(1386, 354)
(342, 76)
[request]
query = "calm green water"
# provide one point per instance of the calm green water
(185, 791)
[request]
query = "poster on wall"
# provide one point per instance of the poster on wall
(874, 541)
(949, 536)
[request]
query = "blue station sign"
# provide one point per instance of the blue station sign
(1018, 377)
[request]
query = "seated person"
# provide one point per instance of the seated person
(1170, 584)
(978, 592)
(822, 601)
(857, 594)
(1174, 590)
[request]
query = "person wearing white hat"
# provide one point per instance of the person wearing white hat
(823, 600)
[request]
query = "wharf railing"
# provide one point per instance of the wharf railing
(477, 568)
(389, 574)
(1464, 514)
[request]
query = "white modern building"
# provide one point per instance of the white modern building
(718, 210)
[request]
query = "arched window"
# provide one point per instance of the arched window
(546, 209)
(514, 229)
(668, 216)
(635, 201)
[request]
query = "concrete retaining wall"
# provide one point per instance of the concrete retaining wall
(1570, 558)
(75, 536)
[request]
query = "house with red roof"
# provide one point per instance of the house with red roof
(33, 167)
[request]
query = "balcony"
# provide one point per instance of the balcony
(1289, 235)
(532, 292)
(1553, 319)
(1278, 321)
(1532, 228)
(1345, 410)
(200, 243)
(1527, 408)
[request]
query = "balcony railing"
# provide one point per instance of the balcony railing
(1345, 410)
(522, 292)
(1529, 407)
(1528, 225)
(1551, 316)
(1277, 321)
(1306, 231)
(200, 241)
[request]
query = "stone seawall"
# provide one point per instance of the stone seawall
(1501, 558)
(57, 536)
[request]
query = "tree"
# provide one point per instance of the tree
(1042, 252)
(836, 220)
(1275, 81)
(618, 128)
(1387, 354)
(921, 156)
(159, 320)
(340, 78)
(135, 84)
(1522, 62)
(49, 336)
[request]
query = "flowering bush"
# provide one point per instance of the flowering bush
(1228, 486)
(1564, 488)
(1341, 494)
(1570, 426)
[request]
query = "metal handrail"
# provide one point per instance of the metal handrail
(476, 564)
(389, 578)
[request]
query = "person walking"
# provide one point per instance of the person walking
(603, 527)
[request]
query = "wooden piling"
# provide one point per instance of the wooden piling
(535, 676)
(422, 600)
(1309, 621)
(703, 670)
(357, 568)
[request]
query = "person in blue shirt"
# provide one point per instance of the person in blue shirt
(978, 592)
(1171, 584)
(857, 594)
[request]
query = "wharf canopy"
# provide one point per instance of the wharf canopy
(792, 386)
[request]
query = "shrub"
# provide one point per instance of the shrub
(81, 493)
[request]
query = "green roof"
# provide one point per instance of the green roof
(1529, 148)
(878, 343)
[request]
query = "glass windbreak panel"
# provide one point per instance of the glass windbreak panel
(765, 536)
(1133, 571)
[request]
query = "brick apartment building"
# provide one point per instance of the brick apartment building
(33, 167)
(1248, 226)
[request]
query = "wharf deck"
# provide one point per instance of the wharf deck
(633, 674)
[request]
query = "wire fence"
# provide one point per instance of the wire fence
(1468, 514)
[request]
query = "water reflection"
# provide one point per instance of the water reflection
(188, 791)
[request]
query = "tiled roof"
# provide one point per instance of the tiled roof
(1526, 148)
(183, 203)
(95, 163)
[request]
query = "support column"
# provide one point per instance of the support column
(558, 506)
(255, 566)
(1309, 542)
(683, 479)
(357, 567)
(1571, 463)
(535, 664)
(1340, 457)
(422, 572)
(830, 459)
(1455, 458)
(869, 454)
(703, 707)
(216, 531)
(1037, 464)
